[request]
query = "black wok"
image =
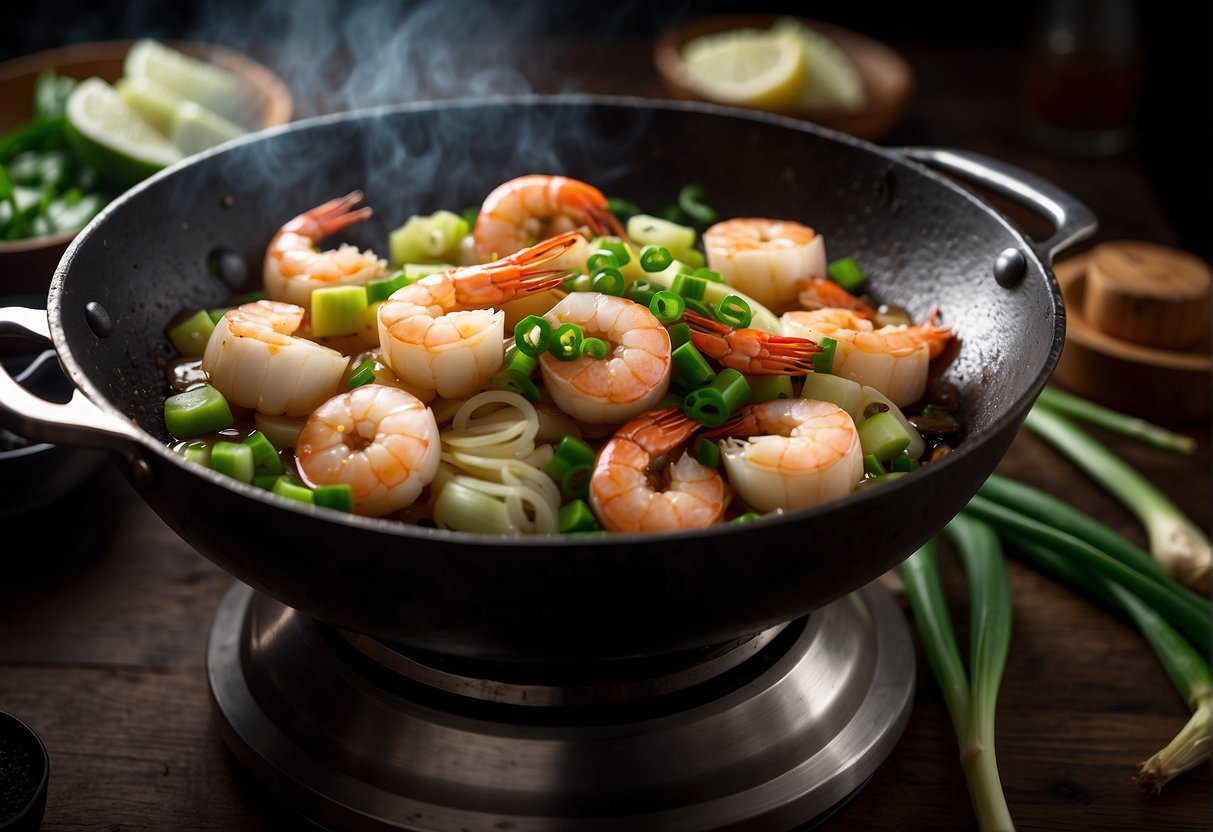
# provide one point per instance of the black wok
(922, 239)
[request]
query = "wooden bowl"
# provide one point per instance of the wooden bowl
(1143, 381)
(26, 266)
(887, 78)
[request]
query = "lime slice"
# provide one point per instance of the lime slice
(831, 79)
(112, 137)
(155, 103)
(747, 67)
(210, 85)
(193, 128)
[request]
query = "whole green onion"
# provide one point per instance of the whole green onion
(1115, 421)
(1175, 541)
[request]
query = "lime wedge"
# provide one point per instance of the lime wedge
(153, 102)
(831, 79)
(193, 128)
(210, 85)
(747, 67)
(112, 137)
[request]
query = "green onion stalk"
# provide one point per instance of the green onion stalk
(970, 702)
(1188, 670)
(1178, 544)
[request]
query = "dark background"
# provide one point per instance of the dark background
(1173, 116)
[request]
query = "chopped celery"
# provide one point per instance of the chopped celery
(645, 229)
(339, 496)
(197, 411)
(190, 334)
(576, 516)
(766, 388)
(285, 488)
(233, 459)
(882, 436)
(843, 392)
(337, 310)
(432, 238)
(377, 290)
(265, 455)
(199, 452)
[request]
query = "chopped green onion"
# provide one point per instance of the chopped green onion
(515, 382)
(285, 488)
(667, 306)
(337, 310)
(707, 452)
(689, 368)
(904, 464)
(575, 482)
(1115, 421)
(572, 459)
(189, 335)
(266, 482)
(566, 342)
(883, 436)
(233, 459)
(338, 495)
(734, 311)
(363, 374)
(655, 258)
(715, 402)
(699, 307)
(641, 291)
(1175, 541)
(265, 455)
(533, 335)
(615, 246)
(748, 517)
(680, 333)
(768, 388)
(599, 258)
(594, 347)
(607, 280)
(689, 286)
(576, 283)
(195, 412)
(872, 466)
(216, 315)
(519, 361)
(689, 201)
(847, 274)
(576, 516)
(198, 452)
(710, 275)
(383, 289)
(623, 209)
(823, 362)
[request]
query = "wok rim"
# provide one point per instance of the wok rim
(1008, 419)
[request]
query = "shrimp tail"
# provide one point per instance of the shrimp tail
(333, 216)
(937, 335)
(752, 351)
(519, 272)
(823, 293)
(742, 423)
(659, 431)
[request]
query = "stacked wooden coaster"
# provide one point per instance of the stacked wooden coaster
(1137, 329)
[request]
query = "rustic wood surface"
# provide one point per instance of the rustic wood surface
(104, 615)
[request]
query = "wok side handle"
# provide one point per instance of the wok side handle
(78, 422)
(1072, 220)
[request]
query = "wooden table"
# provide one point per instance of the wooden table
(103, 623)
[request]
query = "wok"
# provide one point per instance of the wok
(923, 239)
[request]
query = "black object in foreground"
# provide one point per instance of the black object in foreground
(24, 773)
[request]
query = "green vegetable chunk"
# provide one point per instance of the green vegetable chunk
(195, 412)
(233, 459)
(189, 335)
(339, 496)
(337, 310)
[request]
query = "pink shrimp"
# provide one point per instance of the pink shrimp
(752, 351)
(445, 332)
(522, 211)
(293, 268)
(823, 293)
(622, 491)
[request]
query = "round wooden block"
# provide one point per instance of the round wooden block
(1148, 294)
(1136, 379)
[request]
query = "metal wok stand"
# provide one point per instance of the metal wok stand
(771, 732)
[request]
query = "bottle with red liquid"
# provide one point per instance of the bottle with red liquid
(1083, 76)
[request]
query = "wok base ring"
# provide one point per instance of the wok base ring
(775, 740)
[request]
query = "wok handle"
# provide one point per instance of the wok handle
(78, 422)
(1072, 220)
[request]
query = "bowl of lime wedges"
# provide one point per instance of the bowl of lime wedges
(82, 123)
(820, 72)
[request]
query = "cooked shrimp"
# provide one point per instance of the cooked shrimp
(522, 211)
(796, 453)
(893, 359)
(381, 441)
(623, 493)
(632, 377)
(768, 260)
(294, 268)
(444, 332)
(752, 351)
(255, 362)
(823, 293)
